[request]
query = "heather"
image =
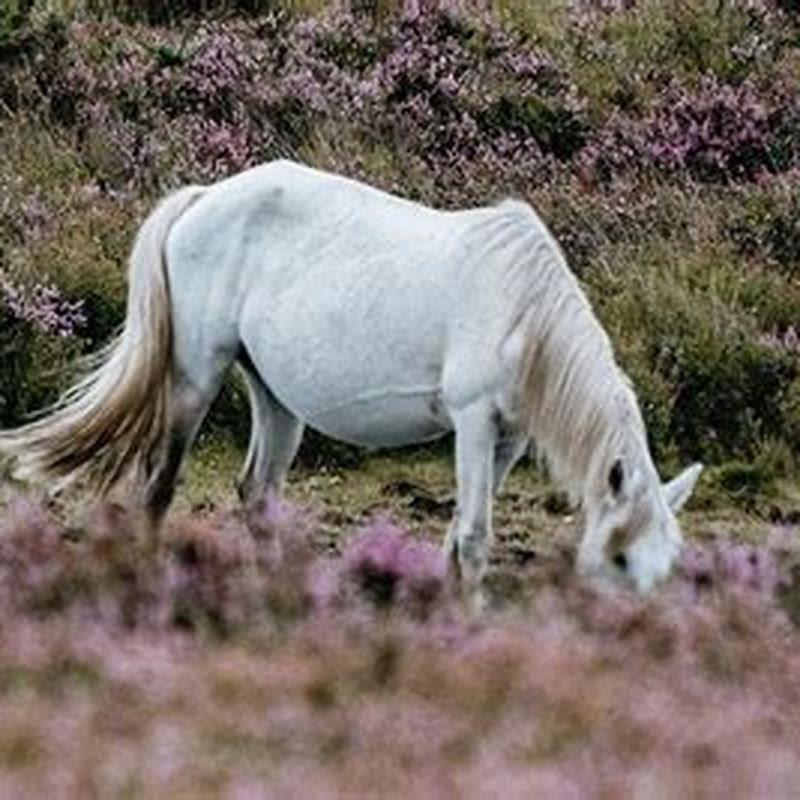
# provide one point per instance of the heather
(255, 663)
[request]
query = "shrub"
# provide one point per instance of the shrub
(13, 15)
(388, 568)
(626, 57)
(37, 337)
(715, 132)
(765, 227)
(116, 654)
(684, 337)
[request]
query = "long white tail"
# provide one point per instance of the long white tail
(113, 421)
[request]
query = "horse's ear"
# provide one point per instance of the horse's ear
(678, 490)
(616, 477)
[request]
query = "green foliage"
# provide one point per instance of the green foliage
(748, 479)
(36, 367)
(627, 58)
(694, 347)
(13, 15)
(165, 12)
(766, 227)
(557, 128)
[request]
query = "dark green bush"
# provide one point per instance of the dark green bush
(729, 393)
(745, 480)
(13, 15)
(768, 227)
(164, 12)
(36, 367)
(557, 128)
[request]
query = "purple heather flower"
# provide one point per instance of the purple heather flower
(388, 565)
(42, 306)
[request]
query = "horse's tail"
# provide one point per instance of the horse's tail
(115, 418)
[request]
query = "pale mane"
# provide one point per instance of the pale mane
(574, 400)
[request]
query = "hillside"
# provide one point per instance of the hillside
(320, 650)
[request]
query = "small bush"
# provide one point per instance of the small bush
(13, 15)
(389, 568)
(687, 341)
(767, 227)
(746, 482)
(715, 132)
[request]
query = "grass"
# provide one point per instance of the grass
(416, 487)
(691, 270)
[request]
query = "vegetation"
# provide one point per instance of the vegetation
(660, 143)
(227, 664)
(323, 653)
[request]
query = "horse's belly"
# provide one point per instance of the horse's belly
(354, 366)
(389, 418)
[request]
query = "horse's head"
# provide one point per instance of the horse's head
(632, 535)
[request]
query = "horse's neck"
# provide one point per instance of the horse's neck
(574, 400)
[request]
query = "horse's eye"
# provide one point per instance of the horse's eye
(620, 560)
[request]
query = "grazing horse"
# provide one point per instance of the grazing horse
(377, 321)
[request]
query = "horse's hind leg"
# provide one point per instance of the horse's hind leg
(201, 358)
(274, 440)
(188, 406)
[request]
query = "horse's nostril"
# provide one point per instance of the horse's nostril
(620, 560)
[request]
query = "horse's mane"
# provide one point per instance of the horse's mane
(573, 399)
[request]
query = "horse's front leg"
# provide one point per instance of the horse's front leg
(507, 452)
(470, 534)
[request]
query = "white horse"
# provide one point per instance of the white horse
(376, 321)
